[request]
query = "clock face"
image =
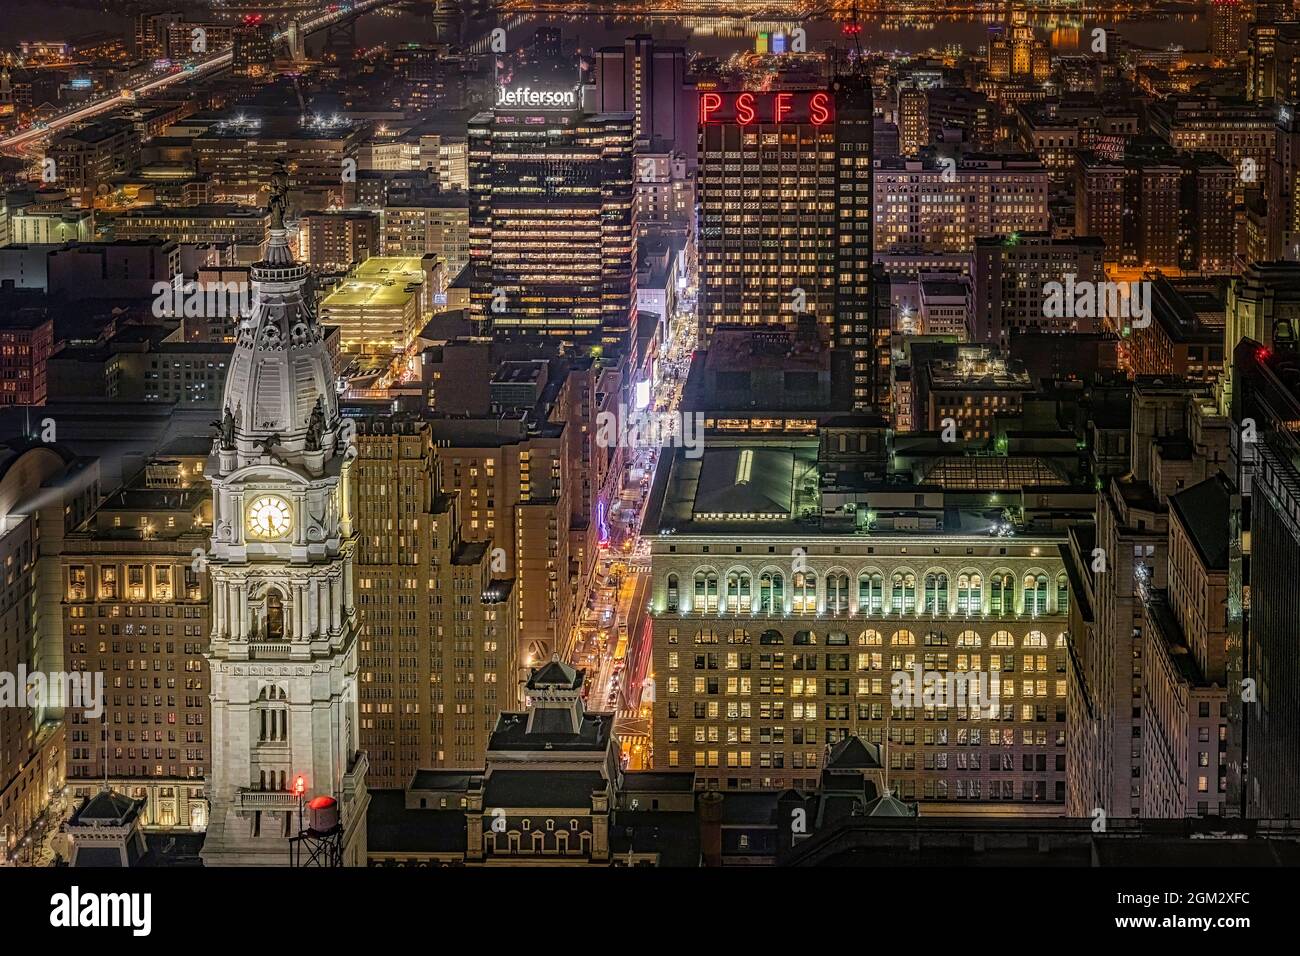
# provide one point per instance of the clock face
(269, 517)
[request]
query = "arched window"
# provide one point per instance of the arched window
(706, 592)
(1002, 593)
(274, 616)
(771, 592)
(871, 592)
(1002, 639)
(870, 639)
(1035, 594)
(739, 591)
(672, 594)
(805, 592)
(903, 639)
(936, 593)
(903, 592)
(1035, 639)
(970, 594)
(1062, 594)
(968, 639)
(837, 593)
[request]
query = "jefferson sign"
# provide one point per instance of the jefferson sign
(526, 96)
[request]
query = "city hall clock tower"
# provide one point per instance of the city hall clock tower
(283, 649)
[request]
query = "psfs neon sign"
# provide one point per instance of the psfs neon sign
(817, 108)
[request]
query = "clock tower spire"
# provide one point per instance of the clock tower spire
(282, 651)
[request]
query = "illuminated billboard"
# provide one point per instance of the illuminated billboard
(792, 106)
(529, 98)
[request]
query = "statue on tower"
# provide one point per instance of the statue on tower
(278, 203)
(316, 426)
(226, 430)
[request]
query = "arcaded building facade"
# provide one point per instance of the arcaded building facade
(776, 633)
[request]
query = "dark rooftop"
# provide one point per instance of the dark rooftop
(562, 789)
(1203, 510)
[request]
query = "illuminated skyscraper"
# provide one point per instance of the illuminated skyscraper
(785, 222)
(552, 247)
(1227, 28)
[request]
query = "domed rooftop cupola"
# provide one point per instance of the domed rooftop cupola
(279, 398)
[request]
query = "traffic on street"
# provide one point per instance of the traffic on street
(615, 609)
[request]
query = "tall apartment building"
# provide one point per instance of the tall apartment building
(932, 205)
(552, 219)
(253, 47)
(774, 636)
(243, 151)
(437, 645)
(967, 388)
(1016, 51)
(1264, 559)
(335, 241)
(1185, 335)
(785, 219)
(1282, 233)
(151, 32)
(1263, 304)
(1011, 276)
(513, 477)
(1228, 22)
(924, 114)
(1235, 130)
(136, 608)
(913, 120)
(416, 223)
(466, 379)
(1172, 211)
(1056, 130)
(444, 154)
(649, 80)
(26, 341)
(1185, 656)
(437, 147)
(665, 196)
(89, 157)
(43, 489)
(434, 78)
(1178, 440)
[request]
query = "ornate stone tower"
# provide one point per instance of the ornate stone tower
(283, 652)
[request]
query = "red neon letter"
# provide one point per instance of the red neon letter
(819, 108)
(709, 103)
(782, 105)
(745, 108)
